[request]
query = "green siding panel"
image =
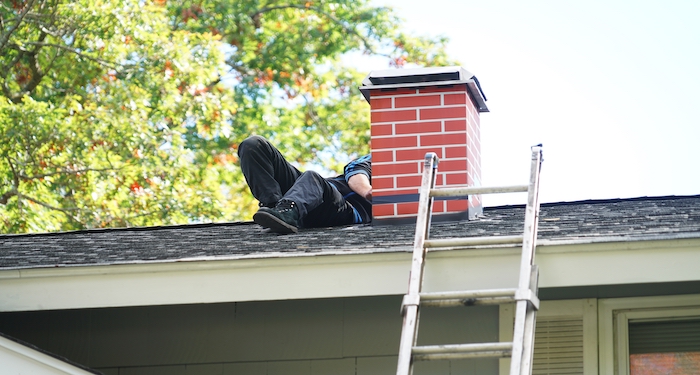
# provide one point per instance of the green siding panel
(353, 336)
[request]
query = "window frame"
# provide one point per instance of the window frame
(613, 324)
(585, 308)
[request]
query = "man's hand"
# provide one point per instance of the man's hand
(359, 183)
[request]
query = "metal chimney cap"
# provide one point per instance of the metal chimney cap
(422, 77)
(416, 75)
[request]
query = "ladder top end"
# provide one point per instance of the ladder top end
(431, 158)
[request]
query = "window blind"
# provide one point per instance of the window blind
(558, 346)
(664, 336)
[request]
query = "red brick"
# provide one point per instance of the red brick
(438, 206)
(382, 156)
(393, 116)
(407, 208)
(441, 113)
(380, 103)
(385, 170)
(419, 127)
(458, 206)
(448, 88)
(417, 101)
(455, 125)
(438, 180)
(456, 152)
(452, 165)
(443, 139)
(455, 178)
(392, 92)
(454, 99)
(382, 192)
(382, 183)
(384, 129)
(408, 181)
(417, 154)
(394, 142)
(383, 210)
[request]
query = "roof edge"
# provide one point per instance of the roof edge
(44, 357)
(599, 201)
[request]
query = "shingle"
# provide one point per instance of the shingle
(627, 219)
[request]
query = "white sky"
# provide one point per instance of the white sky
(610, 88)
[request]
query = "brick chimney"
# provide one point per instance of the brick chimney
(415, 111)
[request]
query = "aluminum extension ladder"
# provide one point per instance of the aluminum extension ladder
(525, 296)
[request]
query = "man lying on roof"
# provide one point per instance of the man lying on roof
(290, 199)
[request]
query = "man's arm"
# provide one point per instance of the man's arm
(359, 183)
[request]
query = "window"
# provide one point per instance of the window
(653, 335)
(565, 337)
(664, 346)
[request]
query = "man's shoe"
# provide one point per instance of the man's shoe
(268, 205)
(283, 218)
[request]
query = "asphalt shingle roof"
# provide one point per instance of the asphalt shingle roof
(632, 219)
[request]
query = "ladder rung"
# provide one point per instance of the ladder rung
(459, 351)
(468, 298)
(468, 302)
(474, 241)
(478, 297)
(473, 190)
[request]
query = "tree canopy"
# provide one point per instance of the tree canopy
(128, 112)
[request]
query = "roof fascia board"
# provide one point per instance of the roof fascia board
(20, 359)
(349, 275)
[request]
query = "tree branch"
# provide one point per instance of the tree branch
(128, 218)
(37, 74)
(66, 171)
(6, 37)
(102, 62)
(15, 175)
(65, 211)
(15, 183)
(8, 194)
(6, 71)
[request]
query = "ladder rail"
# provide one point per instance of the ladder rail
(411, 300)
(521, 359)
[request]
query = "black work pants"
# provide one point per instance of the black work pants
(272, 178)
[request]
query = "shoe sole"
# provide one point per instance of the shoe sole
(275, 224)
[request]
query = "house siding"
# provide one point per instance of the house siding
(357, 336)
